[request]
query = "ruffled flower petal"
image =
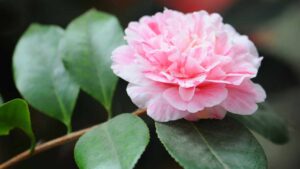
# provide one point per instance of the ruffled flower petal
(190, 66)
(242, 99)
(216, 112)
(162, 111)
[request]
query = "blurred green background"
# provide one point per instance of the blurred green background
(273, 25)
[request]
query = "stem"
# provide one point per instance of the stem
(69, 128)
(109, 113)
(138, 112)
(52, 144)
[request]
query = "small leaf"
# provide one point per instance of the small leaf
(15, 114)
(116, 144)
(266, 122)
(86, 52)
(213, 144)
(40, 76)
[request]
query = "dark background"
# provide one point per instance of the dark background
(274, 26)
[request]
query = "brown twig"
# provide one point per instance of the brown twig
(139, 112)
(52, 144)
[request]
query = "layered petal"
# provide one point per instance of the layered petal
(205, 96)
(242, 99)
(124, 65)
(189, 66)
(216, 112)
(160, 110)
(143, 93)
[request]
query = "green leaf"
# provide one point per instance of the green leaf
(15, 114)
(40, 76)
(86, 52)
(116, 144)
(211, 144)
(266, 122)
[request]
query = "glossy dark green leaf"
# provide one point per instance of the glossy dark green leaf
(115, 144)
(40, 76)
(267, 123)
(211, 144)
(86, 51)
(15, 114)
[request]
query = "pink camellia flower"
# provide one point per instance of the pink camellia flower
(188, 66)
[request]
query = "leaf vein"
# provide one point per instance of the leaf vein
(115, 151)
(210, 148)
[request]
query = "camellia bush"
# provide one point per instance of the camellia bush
(190, 73)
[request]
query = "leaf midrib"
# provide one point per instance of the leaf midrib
(94, 61)
(65, 113)
(114, 149)
(210, 148)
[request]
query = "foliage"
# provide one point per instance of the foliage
(121, 146)
(267, 123)
(40, 75)
(86, 49)
(51, 65)
(15, 114)
(211, 144)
